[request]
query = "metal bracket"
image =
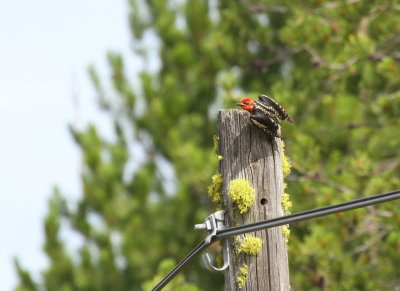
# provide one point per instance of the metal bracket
(212, 224)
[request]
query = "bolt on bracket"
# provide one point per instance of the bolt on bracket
(212, 224)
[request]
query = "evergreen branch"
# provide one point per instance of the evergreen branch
(318, 61)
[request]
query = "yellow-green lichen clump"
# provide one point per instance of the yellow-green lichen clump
(286, 166)
(241, 193)
(241, 280)
(214, 190)
(286, 233)
(286, 203)
(251, 245)
(215, 144)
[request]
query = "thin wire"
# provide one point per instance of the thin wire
(305, 215)
(300, 216)
(200, 247)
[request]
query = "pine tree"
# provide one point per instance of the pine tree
(332, 64)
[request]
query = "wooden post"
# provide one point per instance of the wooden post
(249, 154)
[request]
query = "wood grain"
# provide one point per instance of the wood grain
(249, 154)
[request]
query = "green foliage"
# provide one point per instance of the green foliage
(26, 282)
(333, 64)
(177, 284)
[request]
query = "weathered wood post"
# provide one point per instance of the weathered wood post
(250, 155)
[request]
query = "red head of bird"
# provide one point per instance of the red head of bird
(247, 104)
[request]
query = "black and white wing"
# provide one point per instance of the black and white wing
(269, 103)
(268, 123)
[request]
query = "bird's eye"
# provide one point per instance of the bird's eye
(246, 103)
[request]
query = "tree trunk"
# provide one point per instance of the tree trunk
(248, 153)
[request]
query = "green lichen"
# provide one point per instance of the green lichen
(286, 233)
(215, 144)
(241, 280)
(250, 245)
(220, 158)
(286, 166)
(214, 190)
(241, 193)
(285, 200)
(286, 203)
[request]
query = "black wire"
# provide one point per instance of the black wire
(300, 216)
(200, 247)
(314, 213)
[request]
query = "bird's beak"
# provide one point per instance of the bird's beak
(240, 104)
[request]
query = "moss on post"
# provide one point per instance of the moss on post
(286, 233)
(241, 280)
(286, 203)
(214, 190)
(285, 200)
(242, 194)
(250, 245)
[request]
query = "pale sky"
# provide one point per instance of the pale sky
(45, 48)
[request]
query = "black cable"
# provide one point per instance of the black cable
(314, 213)
(200, 247)
(300, 216)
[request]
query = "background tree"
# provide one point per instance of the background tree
(333, 64)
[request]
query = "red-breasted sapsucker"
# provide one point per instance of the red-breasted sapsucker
(265, 113)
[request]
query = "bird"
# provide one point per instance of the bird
(266, 114)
